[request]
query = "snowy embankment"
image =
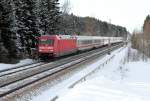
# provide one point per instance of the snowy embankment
(22, 62)
(119, 80)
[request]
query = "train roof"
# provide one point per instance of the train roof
(59, 36)
(76, 37)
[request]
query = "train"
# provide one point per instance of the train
(60, 45)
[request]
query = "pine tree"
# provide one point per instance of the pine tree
(21, 21)
(48, 16)
(27, 24)
(3, 50)
(8, 28)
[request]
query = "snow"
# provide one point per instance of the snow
(139, 71)
(117, 81)
(22, 62)
(114, 77)
(66, 84)
(101, 89)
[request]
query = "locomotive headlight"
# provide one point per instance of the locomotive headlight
(40, 50)
(50, 48)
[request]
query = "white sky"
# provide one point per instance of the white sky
(128, 13)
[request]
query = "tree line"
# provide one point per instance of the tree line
(21, 21)
(141, 40)
(90, 26)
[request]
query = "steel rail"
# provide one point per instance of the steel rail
(12, 87)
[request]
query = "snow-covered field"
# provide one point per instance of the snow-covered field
(22, 62)
(119, 80)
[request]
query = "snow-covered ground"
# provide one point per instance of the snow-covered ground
(22, 62)
(65, 85)
(120, 76)
(119, 80)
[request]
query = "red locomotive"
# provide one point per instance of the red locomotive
(60, 45)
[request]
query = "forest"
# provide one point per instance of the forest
(22, 21)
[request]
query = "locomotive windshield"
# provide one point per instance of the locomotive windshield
(46, 41)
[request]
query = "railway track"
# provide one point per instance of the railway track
(19, 68)
(15, 79)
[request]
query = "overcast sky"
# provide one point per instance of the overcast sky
(127, 13)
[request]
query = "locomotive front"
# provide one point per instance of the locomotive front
(46, 46)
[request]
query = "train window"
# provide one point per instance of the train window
(97, 41)
(46, 41)
(87, 42)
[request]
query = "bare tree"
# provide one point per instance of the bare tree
(66, 7)
(146, 31)
(89, 26)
